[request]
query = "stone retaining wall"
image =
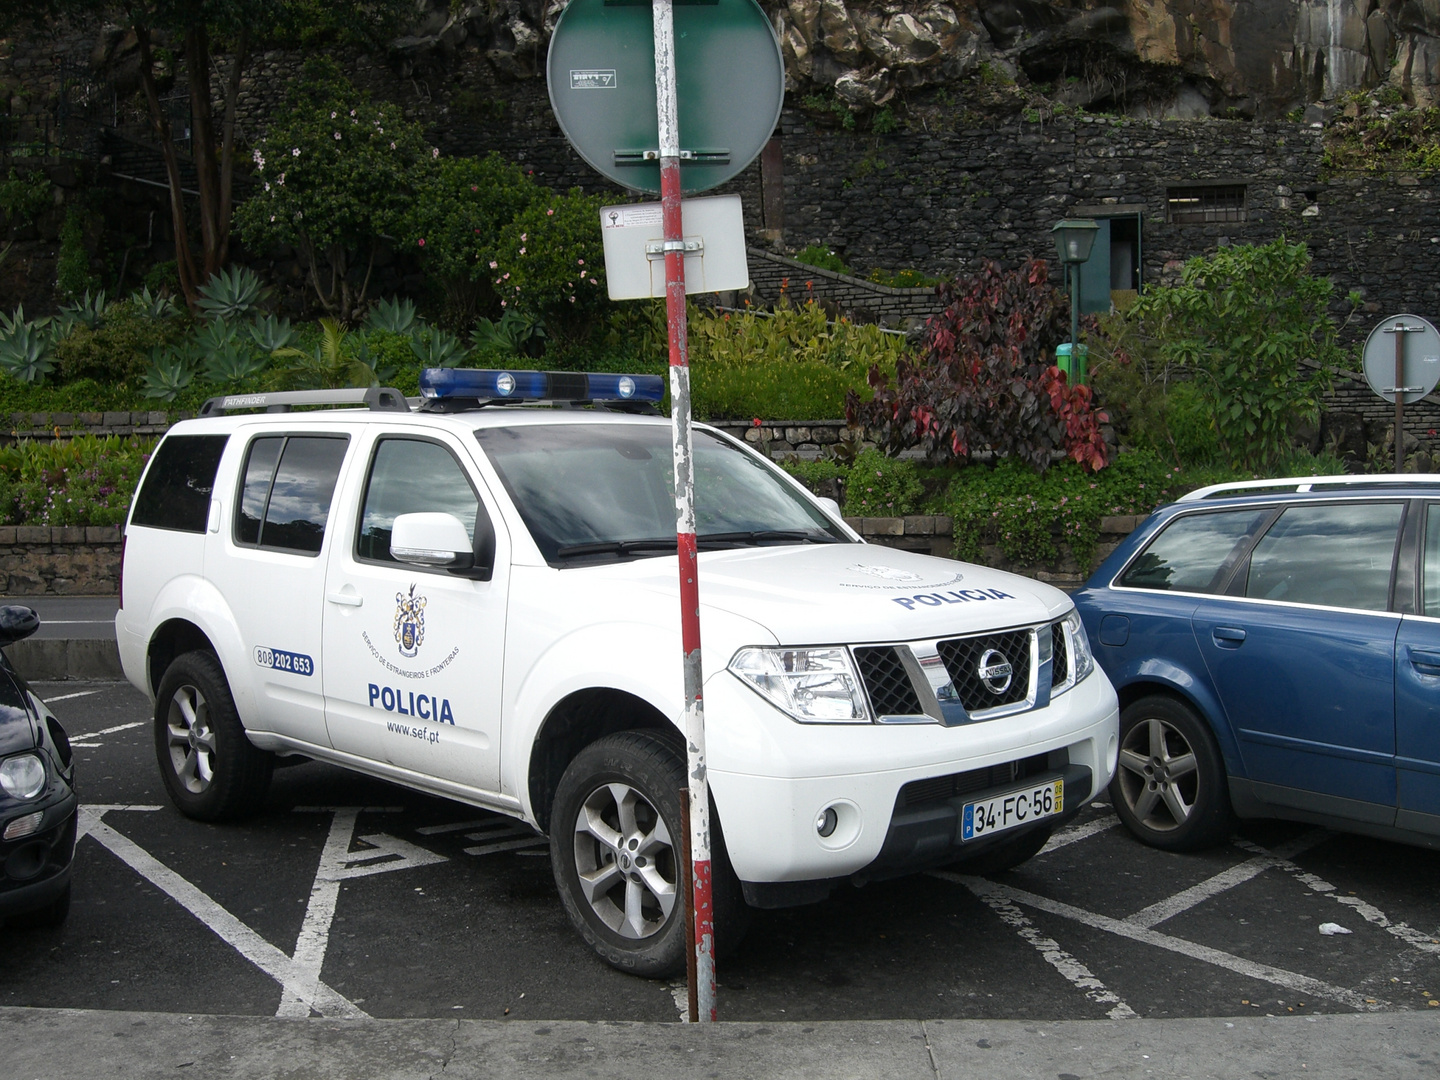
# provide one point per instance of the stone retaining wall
(65, 425)
(40, 560)
(772, 275)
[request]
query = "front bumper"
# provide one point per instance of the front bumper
(35, 869)
(861, 770)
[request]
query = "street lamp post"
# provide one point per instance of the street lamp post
(1074, 237)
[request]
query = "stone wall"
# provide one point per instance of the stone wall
(65, 425)
(39, 560)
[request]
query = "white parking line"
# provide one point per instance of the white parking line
(1076, 833)
(79, 740)
(1369, 912)
(507, 845)
(1224, 881)
(293, 978)
(1073, 971)
(67, 697)
(1291, 980)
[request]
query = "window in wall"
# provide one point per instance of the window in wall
(1202, 205)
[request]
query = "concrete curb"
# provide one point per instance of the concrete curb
(82, 1044)
(53, 659)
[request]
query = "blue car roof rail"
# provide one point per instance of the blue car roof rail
(1311, 483)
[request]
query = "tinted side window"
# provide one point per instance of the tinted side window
(1193, 553)
(411, 476)
(295, 492)
(1335, 556)
(1431, 570)
(176, 493)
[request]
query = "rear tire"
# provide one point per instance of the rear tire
(1169, 787)
(617, 855)
(211, 770)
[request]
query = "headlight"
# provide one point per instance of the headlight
(1080, 655)
(22, 776)
(814, 686)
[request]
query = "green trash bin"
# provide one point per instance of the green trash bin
(1076, 371)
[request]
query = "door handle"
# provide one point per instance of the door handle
(1425, 662)
(1228, 637)
(345, 599)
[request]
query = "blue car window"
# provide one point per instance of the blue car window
(1193, 553)
(1432, 561)
(1333, 556)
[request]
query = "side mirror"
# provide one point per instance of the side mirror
(832, 506)
(431, 539)
(17, 623)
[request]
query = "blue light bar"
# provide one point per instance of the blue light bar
(440, 384)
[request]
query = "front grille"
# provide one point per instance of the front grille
(941, 788)
(887, 682)
(1059, 655)
(961, 657)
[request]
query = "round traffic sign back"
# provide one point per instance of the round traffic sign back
(730, 82)
(1420, 357)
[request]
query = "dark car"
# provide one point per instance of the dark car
(37, 795)
(1276, 649)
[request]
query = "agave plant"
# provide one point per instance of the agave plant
(395, 315)
(380, 372)
(512, 332)
(149, 306)
(215, 335)
(87, 311)
(171, 371)
(9, 324)
(230, 294)
(437, 348)
(233, 365)
(270, 333)
(25, 351)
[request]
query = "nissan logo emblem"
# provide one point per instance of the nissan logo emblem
(995, 671)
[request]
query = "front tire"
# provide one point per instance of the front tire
(211, 769)
(1169, 787)
(617, 854)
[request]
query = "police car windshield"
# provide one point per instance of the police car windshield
(592, 492)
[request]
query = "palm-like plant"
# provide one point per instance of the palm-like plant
(511, 333)
(329, 365)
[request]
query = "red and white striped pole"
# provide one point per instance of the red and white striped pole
(666, 106)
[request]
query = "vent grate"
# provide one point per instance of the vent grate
(942, 788)
(1059, 656)
(962, 656)
(887, 682)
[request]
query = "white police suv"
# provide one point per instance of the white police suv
(479, 600)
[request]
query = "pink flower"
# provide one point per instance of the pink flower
(422, 241)
(493, 265)
(434, 151)
(581, 262)
(523, 238)
(522, 251)
(503, 302)
(474, 187)
(549, 213)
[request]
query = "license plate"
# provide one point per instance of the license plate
(1012, 809)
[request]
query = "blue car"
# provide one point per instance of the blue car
(1276, 650)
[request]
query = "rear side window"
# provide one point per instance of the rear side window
(1330, 556)
(176, 492)
(288, 486)
(1194, 553)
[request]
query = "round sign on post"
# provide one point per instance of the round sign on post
(730, 82)
(1417, 345)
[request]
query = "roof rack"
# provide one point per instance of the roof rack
(1310, 483)
(378, 398)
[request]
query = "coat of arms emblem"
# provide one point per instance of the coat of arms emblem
(409, 622)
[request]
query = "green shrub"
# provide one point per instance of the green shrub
(163, 277)
(550, 265)
(902, 279)
(72, 268)
(119, 350)
(880, 486)
(82, 481)
(815, 473)
(23, 198)
(822, 256)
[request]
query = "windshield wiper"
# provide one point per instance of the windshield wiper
(616, 547)
(763, 536)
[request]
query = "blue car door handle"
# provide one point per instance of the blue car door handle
(1425, 662)
(1228, 637)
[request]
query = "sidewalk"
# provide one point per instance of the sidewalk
(76, 639)
(62, 1044)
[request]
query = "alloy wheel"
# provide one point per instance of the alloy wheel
(1158, 775)
(191, 739)
(626, 861)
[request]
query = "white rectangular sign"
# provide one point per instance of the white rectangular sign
(634, 236)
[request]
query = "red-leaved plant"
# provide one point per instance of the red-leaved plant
(985, 380)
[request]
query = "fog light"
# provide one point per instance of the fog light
(826, 822)
(24, 826)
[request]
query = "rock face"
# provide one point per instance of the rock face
(1145, 57)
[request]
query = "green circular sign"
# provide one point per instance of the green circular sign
(730, 84)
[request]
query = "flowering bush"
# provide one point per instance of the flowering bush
(880, 486)
(550, 265)
(85, 481)
(455, 222)
(336, 172)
